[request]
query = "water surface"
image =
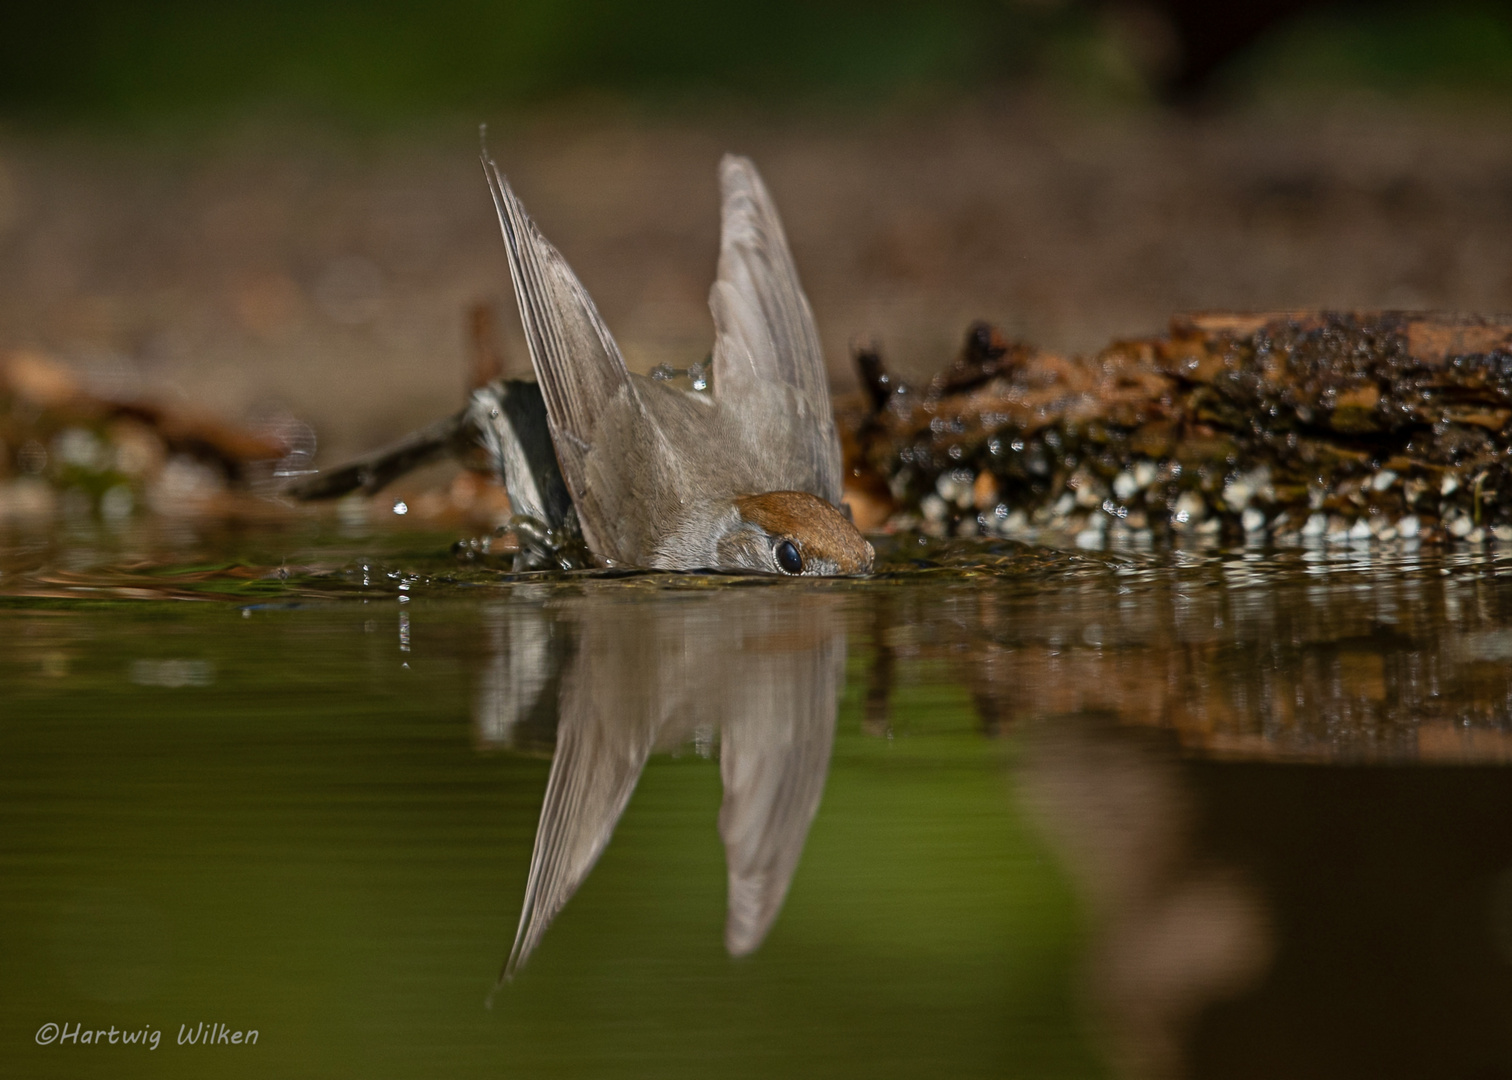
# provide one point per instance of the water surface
(996, 811)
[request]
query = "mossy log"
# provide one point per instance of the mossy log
(1326, 426)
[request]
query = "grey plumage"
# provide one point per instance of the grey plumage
(654, 470)
(605, 465)
(508, 418)
(763, 671)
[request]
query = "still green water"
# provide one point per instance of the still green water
(1235, 814)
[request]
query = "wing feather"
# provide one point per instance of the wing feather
(764, 328)
(577, 363)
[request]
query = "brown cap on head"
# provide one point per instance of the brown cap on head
(822, 534)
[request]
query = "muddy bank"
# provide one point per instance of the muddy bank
(325, 273)
(1326, 426)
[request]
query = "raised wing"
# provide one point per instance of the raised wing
(581, 373)
(764, 329)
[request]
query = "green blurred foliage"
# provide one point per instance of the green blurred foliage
(387, 60)
(1395, 48)
(390, 57)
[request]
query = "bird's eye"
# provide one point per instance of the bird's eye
(788, 558)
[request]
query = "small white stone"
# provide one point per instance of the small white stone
(117, 503)
(1476, 536)
(1383, 480)
(78, 446)
(1125, 486)
(1316, 525)
(1338, 530)
(1238, 493)
(933, 508)
(1386, 533)
(1241, 489)
(1015, 522)
(1189, 507)
(1065, 504)
(1361, 530)
(1449, 484)
(956, 487)
(1459, 526)
(1503, 533)
(1145, 473)
(1209, 527)
(1408, 527)
(1089, 538)
(1089, 493)
(1253, 520)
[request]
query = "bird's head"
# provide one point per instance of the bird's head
(795, 534)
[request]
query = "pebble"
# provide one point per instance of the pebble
(1449, 484)
(1253, 520)
(1015, 522)
(1089, 492)
(933, 508)
(26, 497)
(1382, 480)
(1460, 526)
(984, 490)
(1316, 525)
(1408, 527)
(1145, 473)
(117, 503)
(956, 486)
(79, 447)
(1125, 487)
(1361, 530)
(1241, 489)
(1189, 508)
(1503, 533)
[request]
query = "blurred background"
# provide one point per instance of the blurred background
(277, 207)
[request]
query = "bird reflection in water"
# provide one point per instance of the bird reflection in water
(759, 667)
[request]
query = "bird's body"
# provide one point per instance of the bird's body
(746, 477)
(683, 497)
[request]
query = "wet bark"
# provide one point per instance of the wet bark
(1297, 425)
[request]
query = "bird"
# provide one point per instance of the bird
(760, 670)
(744, 478)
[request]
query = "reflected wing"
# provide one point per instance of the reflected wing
(593, 774)
(578, 365)
(774, 756)
(644, 670)
(624, 680)
(764, 329)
